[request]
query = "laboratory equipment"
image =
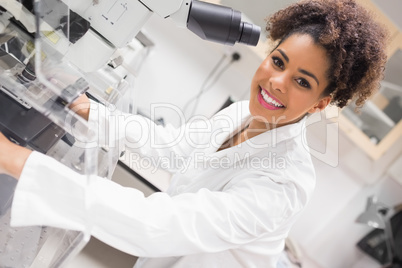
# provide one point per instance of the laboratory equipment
(51, 52)
(380, 242)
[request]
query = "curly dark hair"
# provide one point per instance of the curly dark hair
(354, 41)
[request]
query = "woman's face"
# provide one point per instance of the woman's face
(290, 81)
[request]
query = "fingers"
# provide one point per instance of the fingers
(81, 106)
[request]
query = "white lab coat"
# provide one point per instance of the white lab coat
(232, 208)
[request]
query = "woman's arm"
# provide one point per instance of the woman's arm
(140, 136)
(131, 132)
(12, 157)
(51, 194)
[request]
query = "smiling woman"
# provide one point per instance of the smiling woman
(327, 52)
(354, 43)
(248, 172)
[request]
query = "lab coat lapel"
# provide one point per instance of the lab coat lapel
(227, 123)
(230, 121)
(268, 139)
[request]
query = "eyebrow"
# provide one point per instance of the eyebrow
(284, 55)
(309, 74)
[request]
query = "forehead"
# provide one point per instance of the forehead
(303, 42)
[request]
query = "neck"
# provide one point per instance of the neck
(257, 127)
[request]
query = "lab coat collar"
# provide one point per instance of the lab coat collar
(271, 138)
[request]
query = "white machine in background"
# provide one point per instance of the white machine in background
(51, 52)
(208, 21)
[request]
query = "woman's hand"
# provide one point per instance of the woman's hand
(81, 106)
(12, 157)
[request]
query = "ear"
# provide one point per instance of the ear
(320, 105)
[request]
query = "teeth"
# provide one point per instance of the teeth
(269, 99)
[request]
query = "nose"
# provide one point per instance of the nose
(279, 82)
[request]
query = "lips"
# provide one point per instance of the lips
(268, 101)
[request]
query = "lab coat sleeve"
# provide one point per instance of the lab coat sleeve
(140, 136)
(50, 194)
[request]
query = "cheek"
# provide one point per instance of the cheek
(301, 101)
(263, 71)
(261, 78)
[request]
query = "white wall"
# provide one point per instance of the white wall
(173, 73)
(180, 62)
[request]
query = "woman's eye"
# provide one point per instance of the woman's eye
(278, 62)
(303, 82)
